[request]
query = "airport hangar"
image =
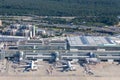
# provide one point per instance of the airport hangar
(73, 48)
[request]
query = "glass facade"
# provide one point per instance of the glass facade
(107, 48)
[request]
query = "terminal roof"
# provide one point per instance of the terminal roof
(91, 41)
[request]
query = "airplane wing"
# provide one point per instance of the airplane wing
(23, 66)
(65, 69)
(26, 69)
(63, 66)
(38, 65)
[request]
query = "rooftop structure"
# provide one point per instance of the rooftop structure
(42, 45)
(4, 38)
(98, 42)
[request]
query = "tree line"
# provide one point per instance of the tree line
(80, 8)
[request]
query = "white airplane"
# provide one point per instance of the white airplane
(32, 65)
(67, 66)
(70, 66)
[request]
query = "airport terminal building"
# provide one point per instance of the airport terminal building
(93, 43)
(73, 48)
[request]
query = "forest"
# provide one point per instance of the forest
(80, 8)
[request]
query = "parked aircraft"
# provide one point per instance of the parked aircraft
(32, 65)
(67, 66)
